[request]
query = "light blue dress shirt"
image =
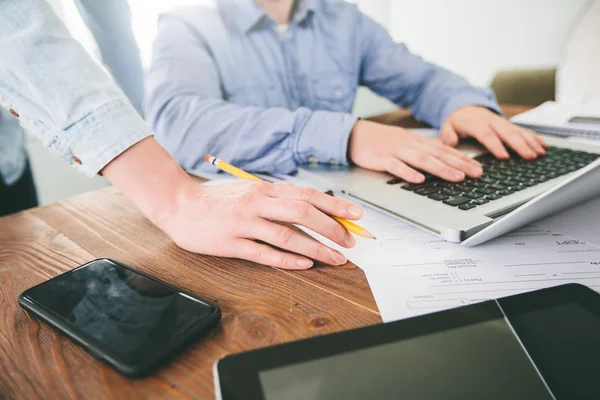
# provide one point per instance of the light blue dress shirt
(59, 94)
(109, 22)
(224, 81)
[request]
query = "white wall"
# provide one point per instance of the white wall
(474, 38)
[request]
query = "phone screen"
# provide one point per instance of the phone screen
(132, 316)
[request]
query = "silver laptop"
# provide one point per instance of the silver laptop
(511, 193)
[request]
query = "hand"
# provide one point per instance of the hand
(492, 131)
(395, 150)
(228, 220)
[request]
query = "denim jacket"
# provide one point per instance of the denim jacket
(54, 89)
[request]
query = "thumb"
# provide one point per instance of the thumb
(448, 135)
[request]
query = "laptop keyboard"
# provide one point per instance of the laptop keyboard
(501, 177)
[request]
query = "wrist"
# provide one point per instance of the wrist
(148, 176)
(353, 139)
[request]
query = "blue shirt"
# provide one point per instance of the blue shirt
(58, 93)
(224, 81)
(109, 22)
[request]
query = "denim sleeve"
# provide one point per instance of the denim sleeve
(432, 93)
(188, 110)
(59, 93)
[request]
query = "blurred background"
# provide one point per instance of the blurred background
(476, 39)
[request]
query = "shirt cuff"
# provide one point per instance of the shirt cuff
(324, 138)
(473, 97)
(94, 141)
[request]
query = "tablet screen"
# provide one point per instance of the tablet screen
(405, 368)
(538, 345)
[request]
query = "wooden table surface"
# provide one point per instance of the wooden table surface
(261, 306)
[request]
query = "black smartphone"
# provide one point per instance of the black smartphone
(128, 319)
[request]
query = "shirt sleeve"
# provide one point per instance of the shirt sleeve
(187, 108)
(58, 92)
(432, 93)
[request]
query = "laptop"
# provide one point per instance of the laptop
(510, 194)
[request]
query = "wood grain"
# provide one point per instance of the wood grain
(261, 306)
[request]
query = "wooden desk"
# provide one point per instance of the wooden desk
(261, 305)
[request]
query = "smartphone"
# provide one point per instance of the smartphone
(132, 321)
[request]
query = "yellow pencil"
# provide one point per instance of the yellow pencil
(349, 225)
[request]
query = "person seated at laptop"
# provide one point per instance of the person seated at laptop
(269, 84)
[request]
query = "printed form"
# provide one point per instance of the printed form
(412, 272)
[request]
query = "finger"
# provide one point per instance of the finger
(328, 204)
(401, 170)
(490, 140)
(439, 147)
(424, 161)
(452, 157)
(303, 213)
(266, 255)
(540, 139)
(531, 139)
(448, 135)
(537, 137)
(514, 140)
(289, 239)
(461, 162)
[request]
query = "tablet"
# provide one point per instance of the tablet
(537, 345)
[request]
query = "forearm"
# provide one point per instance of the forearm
(441, 92)
(147, 175)
(273, 140)
(59, 93)
(431, 92)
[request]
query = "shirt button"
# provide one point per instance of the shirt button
(14, 113)
(313, 160)
(334, 162)
(77, 160)
(339, 93)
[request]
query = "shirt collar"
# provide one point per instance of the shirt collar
(246, 14)
(304, 9)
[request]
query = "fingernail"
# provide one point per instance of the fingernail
(355, 211)
(419, 178)
(477, 171)
(304, 263)
(458, 175)
(337, 258)
(349, 241)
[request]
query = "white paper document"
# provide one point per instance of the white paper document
(582, 222)
(562, 119)
(412, 272)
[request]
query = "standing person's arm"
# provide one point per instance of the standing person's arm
(78, 112)
(109, 21)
